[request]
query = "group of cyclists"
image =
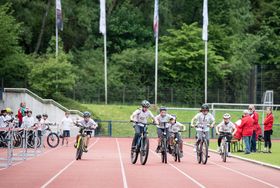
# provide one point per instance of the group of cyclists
(168, 124)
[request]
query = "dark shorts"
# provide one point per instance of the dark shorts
(66, 133)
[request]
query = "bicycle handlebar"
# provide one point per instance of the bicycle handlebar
(145, 124)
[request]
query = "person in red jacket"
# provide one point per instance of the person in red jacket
(21, 112)
(247, 130)
(255, 117)
(268, 124)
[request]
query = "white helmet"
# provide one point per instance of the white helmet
(226, 116)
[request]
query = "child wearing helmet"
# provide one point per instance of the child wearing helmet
(88, 123)
(163, 119)
(140, 117)
(225, 129)
(174, 128)
(202, 121)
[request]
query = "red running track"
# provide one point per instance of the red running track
(107, 164)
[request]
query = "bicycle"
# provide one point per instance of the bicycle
(224, 147)
(52, 138)
(33, 139)
(202, 148)
(176, 153)
(142, 146)
(163, 144)
(81, 142)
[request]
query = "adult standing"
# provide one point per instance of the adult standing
(256, 126)
(268, 124)
(65, 127)
(247, 130)
(21, 112)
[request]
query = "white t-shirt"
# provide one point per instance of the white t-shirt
(176, 127)
(66, 123)
(203, 121)
(141, 117)
(28, 122)
(163, 119)
(90, 123)
(43, 124)
(227, 128)
(2, 122)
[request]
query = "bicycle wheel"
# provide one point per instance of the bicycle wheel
(204, 153)
(199, 152)
(17, 139)
(224, 156)
(144, 152)
(177, 153)
(163, 152)
(53, 140)
(134, 154)
(79, 152)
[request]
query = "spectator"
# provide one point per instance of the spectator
(21, 112)
(65, 127)
(9, 116)
(28, 121)
(268, 124)
(256, 126)
(3, 118)
(247, 130)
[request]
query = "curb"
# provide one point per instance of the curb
(245, 159)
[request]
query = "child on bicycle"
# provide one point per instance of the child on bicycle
(202, 121)
(174, 128)
(225, 129)
(163, 120)
(87, 123)
(139, 117)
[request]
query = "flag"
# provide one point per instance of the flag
(156, 19)
(59, 22)
(102, 21)
(205, 21)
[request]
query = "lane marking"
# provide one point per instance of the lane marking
(122, 166)
(186, 175)
(67, 166)
(39, 155)
(241, 173)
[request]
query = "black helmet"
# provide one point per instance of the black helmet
(162, 108)
(145, 103)
(28, 110)
(39, 116)
(45, 115)
(86, 114)
(205, 107)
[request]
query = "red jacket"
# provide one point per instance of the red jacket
(255, 117)
(268, 122)
(247, 126)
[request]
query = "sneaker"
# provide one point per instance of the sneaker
(194, 149)
(158, 149)
(247, 153)
(85, 149)
(75, 145)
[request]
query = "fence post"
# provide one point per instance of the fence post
(189, 130)
(110, 128)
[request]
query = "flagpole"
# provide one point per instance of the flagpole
(205, 60)
(156, 69)
(105, 65)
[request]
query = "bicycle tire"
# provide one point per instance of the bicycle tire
(53, 140)
(198, 153)
(144, 153)
(134, 154)
(164, 151)
(17, 139)
(79, 152)
(204, 152)
(31, 141)
(225, 151)
(177, 153)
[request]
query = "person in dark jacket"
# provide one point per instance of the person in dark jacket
(268, 124)
(247, 130)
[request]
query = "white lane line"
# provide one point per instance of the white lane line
(67, 166)
(243, 174)
(186, 175)
(122, 167)
(30, 158)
